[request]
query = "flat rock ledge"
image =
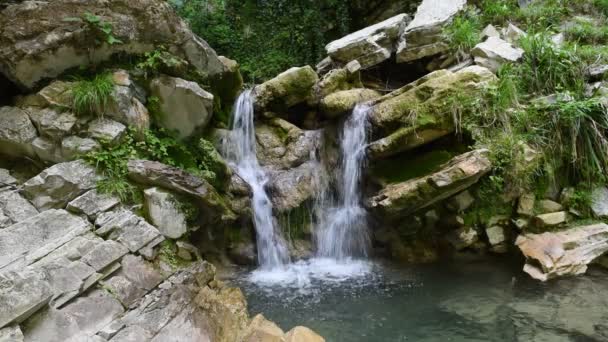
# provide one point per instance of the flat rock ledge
(555, 254)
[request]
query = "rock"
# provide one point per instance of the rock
(164, 211)
(228, 84)
(243, 253)
(597, 72)
(226, 305)
(392, 113)
(495, 52)
(338, 80)
(6, 179)
(289, 189)
(11, 334)
(175, 179)
(549, 206)
(184, 107)
(369, 46)
(490, 31)
(344, 101)
(124, 105)
(551, 219)
(288, 89)
(461, 202)
(513, 34)
(302, 334)
(16, 132)
(43, 51)
(599, 202)
(463, 237)
(35, 237)
(59, 184)
(141, 273)
(58, 94)
(47, 150)
(263, 330)
(126, 228)
(92, 203)
(401, 199)
(21, 295)
(526, 205)
(74, 147)
(107, 130)
(51, 123)
(423, 36)
(558, 39)
(497, 238)
(554, 254)
(14, 208)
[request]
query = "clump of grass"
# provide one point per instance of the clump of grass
(585, 32)
(497, 11)
(91, 96)
(542, 15)
(464, 32)
(602, 6)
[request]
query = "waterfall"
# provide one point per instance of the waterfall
(342, 229)
(239, 150)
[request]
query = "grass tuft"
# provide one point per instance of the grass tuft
(91, 96)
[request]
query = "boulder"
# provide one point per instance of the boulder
(175, 179)
(302, 334)
(554, 254)
(289, 189)
(14, 208)
(336, 80)
(550, 219)
(163, 209)
(92, 203)
(21, 295)
(127, 228)
(228, 308)
(58, 95)
(184, 107)
(288, 89)
(229, 83)
(490, 31)
(73, 147)
(495, 52)
(526, 204)
(51, 123)
(497, 238)
(6, 179)
(282, 145)
(463, 238)
(38, 43)
(371, 45)
(262, 330)
(401, 199)
(16, 132)
(549, 206)
(419, 113)
(461, 202)
(513, 34)
(59, 184)
(345, 100)
(599, 202)
(423, 36)
(125, 104)
(47, 150)
(107, 130)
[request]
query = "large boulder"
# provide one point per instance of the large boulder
(371, 45)
(401, 199)
(421, 111)
(184, 107)
(289, 189)
(423, 36)
(39, 43)
(335, 80)
(554, 254)
(495, 52)
(125, 104)
(59, 184)
(345, 100)
(16, 132)
(288, 89)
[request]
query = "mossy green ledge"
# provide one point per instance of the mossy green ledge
(422, 111)
(401, 199)
(287, 89)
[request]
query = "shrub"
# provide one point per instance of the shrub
(91, 96)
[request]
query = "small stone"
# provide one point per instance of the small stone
(548, 206)
(496, 235)
(461, 202)
(521, 223)
(526, 205)
(73, 147)
(551, 219)
(92, 203)
(186, 251)
(490, 31)
(495, 52)
(353, 67)
(104, 254)
(107, 130)
(463, 237)
(599, 202)
(513, 34)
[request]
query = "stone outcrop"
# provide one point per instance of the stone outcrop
(494, 52)
(287, 89)
(421, 111)
(52, 123)
(16, 132)
(371, 45)
(39, 43)
(401, 199)
(14, 208)
(184, 107)
(344, 101)
(282, 145)
(289, 189)
(107, 130)
(423, 36)
(164, 211)
(554, 254)
(346, 78)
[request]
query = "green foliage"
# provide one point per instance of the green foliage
(154, 62)
(544, 14)
(580, 200)
(602, 6)
(498, 11)
(98, 26)
(168, 254)
(464, 32)
(92, 95)
(267, 37)
(587, 32)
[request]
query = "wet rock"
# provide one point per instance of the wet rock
(52, 46)
(21, 295)
(74, 147)
(551, 219)
(175, 179)
(554, 254)
(391, 114)
(423, 36)
(92, 203)
(599, 202)
(282, 145)
(495, 52)
(164, 211)
(184, 107)
(107, 130)
(51, 123)
(344, 101)
(14, 208)
(59, 184)
(401, 199)
(371, 45)
(302, 334)
(261, 329)
(16, 132)
(289, 189)
(288, 89)
(341, 79)
(463, 237)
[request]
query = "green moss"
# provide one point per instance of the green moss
(168, 254)
(296, 222)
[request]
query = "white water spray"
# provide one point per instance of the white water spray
(239, 150)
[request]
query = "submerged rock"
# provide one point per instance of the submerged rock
(287, 89)
(401, 199)
(554, 254)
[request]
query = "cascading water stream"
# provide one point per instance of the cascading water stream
(343, 231)
(240, 152)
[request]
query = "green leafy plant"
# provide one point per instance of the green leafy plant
(101, 28)
(498, 11)
(91, 96)
(464, 32)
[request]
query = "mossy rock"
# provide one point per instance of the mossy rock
(288, 89)
(344, 101)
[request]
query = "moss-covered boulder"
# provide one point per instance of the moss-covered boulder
(288, 89)
(344, 101)
(401, 199)
(422, 111)
(335, 80)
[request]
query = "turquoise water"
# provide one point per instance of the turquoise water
(468, 300)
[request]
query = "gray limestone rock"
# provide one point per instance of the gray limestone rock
(92, 203)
